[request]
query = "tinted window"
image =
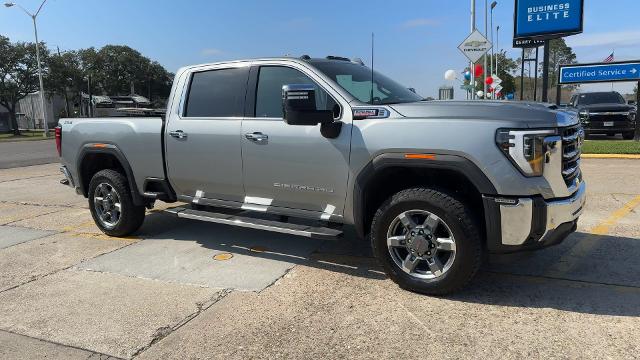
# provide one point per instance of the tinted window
(217, 93)
(269, 92)
(601, 98)
(356, 79)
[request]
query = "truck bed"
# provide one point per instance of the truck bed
(138, 139)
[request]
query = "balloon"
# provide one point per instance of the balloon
(450, 75)
(479, 70)
(467, 75)
(480, 93)
(489, 80)
(498, 95)
(489, 90)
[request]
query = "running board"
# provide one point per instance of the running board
(316, 232)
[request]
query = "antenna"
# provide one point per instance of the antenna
(372, 39)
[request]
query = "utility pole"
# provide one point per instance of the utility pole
(66, 98)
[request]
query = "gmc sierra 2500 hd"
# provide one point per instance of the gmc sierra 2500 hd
(274, 144)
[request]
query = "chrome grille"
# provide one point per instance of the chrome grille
(572, 139)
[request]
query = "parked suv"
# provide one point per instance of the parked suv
(305, 146)
(605, 113)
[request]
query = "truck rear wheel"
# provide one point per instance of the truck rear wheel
(426, 241)
(628, 135)
(111, 204)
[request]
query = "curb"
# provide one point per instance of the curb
(611, 156)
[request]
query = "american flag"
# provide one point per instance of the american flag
(608, 59)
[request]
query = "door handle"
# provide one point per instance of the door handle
(178, 134)
(256, 137)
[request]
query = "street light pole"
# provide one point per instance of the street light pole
(35, 30)
(472, 67)
(497, 46)
(493, 46)
(486, 34)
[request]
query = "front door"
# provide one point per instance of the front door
(290, 166)
(203, 148)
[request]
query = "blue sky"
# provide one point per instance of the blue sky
(416, 41)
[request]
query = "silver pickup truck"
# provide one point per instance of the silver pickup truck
(305, 146)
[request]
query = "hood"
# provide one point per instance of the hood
(607, 107)
(521, 114)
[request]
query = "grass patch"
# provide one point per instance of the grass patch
(611, 147)
(24, 135)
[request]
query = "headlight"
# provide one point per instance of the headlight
(525, 148)
(632, 116)
(584, 116)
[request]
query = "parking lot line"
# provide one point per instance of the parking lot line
(603, 228)
(582, 249)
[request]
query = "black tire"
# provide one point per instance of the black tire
(469, 249)
(131, 216)
(628, 135)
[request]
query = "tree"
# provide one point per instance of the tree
(121, 70)
(64, 76)
(559, 54)
(18, 75)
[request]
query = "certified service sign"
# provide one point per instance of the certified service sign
(474, 46)
(547, 19)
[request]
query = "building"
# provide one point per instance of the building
(31, 111)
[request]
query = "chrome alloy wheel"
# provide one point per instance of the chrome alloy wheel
(106, 202)
(421, 244)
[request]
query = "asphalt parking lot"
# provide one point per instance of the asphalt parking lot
(69, 292)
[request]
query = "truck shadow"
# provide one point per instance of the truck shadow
(587, 273)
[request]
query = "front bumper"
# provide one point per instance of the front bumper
(532, 222)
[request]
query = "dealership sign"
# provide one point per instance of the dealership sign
(585, 73)
(475, 46)
(547, 19)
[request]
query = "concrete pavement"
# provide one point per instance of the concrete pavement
(67, 291)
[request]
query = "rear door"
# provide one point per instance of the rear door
(293, 167)
(203, 148)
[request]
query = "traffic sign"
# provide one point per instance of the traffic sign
(498, 89)
(586, 73)
(474, 46)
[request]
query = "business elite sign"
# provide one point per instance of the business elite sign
(547, 19)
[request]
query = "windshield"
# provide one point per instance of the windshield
(356, 80)
(601, 98)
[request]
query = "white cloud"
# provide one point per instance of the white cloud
(211, 52)
(611, 39)
(420, 22)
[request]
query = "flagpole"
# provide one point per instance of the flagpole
(613, 55)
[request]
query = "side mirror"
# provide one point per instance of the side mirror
(299, 106)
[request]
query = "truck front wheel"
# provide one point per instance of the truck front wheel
(426, 241)
(111, 204)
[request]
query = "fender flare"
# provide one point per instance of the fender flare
(457, 163)
(110, 149)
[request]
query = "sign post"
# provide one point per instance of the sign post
(474, 47)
